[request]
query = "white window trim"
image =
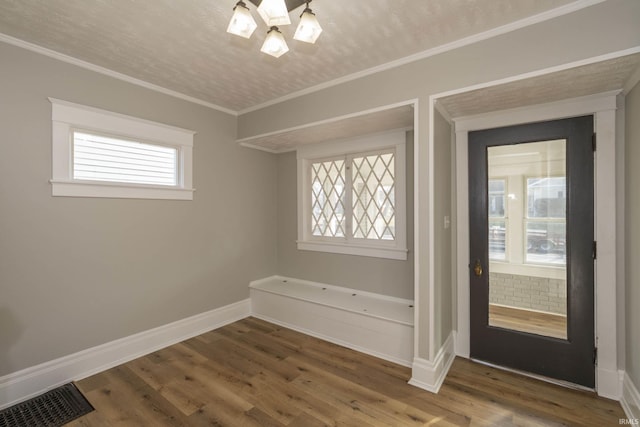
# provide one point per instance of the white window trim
(396, 249)
(68, 116)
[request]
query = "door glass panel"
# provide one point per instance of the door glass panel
(527, 204)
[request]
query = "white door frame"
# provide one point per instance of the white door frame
(603, 107)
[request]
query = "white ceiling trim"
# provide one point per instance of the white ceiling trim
(98, 69)
(261, 148)
(246, 141)
(339, 138)
(544, 16)
(572, 107)
(541, 72)
(513, 26)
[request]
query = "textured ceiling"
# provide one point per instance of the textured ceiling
(586, 80)
(182, 45)
(575, 82)
(362, 124)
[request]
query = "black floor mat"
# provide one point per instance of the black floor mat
(52, 409)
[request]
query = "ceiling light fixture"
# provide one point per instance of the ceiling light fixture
(309, 28)
(275, 13)
(274, 44)
(242, 23)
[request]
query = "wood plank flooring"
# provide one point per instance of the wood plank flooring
(534, 322)
(253, 373)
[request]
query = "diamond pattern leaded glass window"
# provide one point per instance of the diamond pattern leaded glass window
(328, 198)
(352, 196)
(373, 197)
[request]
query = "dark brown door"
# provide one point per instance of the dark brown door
(532, 247)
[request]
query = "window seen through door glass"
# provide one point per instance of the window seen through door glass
(546, 220)
(497, 220)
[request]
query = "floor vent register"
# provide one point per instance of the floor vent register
(51, 409)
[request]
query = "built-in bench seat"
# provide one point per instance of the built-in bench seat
(371, 323)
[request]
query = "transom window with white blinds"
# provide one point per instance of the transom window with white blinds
(99, 153)
(352, 196)
(105, 158)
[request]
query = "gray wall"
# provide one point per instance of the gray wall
(442, 146)
(596, 30)
(75, 273)
(379, 275)
(632, 246)
(79, 272)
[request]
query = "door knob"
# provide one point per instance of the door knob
(477, 269)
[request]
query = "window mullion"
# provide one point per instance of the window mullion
(348, 208)
(179, 160)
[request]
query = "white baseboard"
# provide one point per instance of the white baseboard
(608, 383)
(30, 382)
(429, 375)
(630, 400)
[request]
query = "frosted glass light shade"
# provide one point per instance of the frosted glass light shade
(242, 23)
(274, 12)
(274, 44)
(309, 28)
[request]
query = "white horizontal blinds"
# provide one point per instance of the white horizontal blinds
(328, 198)
(374, 204)
(103, 158)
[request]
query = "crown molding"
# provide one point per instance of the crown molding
(107, 72)
(494, 32)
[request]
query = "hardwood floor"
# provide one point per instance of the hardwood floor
(534, 322)
(253, 373)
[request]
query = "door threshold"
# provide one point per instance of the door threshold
(555, 381)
